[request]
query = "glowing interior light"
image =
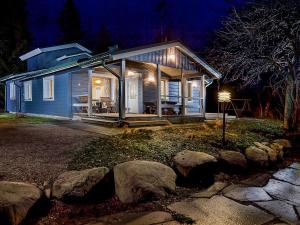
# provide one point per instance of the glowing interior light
(224, 96)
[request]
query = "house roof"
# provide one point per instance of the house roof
(109, 56)
(38, 51)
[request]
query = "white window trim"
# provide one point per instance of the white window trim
(12, 94)
(30, 95)
(53, 87)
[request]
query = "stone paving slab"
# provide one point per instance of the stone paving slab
(220, 210)
(211, 191)
(289, 175)
(257, 180)
(284, 191)
(248, 194)
(295, 166)
(281, 209)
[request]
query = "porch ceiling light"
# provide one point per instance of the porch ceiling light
(224, 96)
(98, 81)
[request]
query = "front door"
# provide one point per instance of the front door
(132, 97)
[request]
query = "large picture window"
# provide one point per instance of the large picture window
(28, 90)
(12, 91)
(48, 88)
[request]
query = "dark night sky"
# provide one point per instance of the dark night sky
(132, 22)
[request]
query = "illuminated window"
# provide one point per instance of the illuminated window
(164, 89)
(12, 91)
(28, 90)
(48, 88)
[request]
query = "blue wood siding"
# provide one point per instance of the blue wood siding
(60, 106)
(80, 83)
(48, 59)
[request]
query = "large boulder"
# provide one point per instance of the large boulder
(233, 160)
(16, 199)
(136, 180)
(77, 184)
(279, 149)
(187, 161)
(257, 156)
(271, 152)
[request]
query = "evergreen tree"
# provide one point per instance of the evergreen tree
(69, 22)
(104, 40)
(14, 38)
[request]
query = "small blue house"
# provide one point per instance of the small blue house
(165, 80)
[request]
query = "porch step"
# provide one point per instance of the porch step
(141, 123)
(107, 123)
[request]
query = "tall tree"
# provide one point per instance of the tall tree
(14, 38)
(260, 43)
(103, 40)
(69, 22)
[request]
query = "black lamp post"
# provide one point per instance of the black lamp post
(223, 97)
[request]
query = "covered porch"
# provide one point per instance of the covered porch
(144, 84)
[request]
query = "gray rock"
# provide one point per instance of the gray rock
(233, 158)
(284, 191)
(211, 191)
(248, 194)
(257, 156)
(186, 161)
(280, 209)
(295, 166)
(219, 210)
(137, 179)
(77, 183)
(16, 199)
(289, 175)
(271, 152)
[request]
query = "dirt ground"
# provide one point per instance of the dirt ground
(36, 153)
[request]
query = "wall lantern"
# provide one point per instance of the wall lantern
(151, 78)
(224, 97)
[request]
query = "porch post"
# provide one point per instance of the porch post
(203, 94)
(122, 107)
(158, 78)
(90, 90)
(183, 85)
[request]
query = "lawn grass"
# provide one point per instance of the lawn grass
(8, 117)
(163, 144)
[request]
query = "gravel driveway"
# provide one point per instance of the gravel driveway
(36, 152)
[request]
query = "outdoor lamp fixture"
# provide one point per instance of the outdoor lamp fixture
(151, 78)
(98, 81)
(223, 97)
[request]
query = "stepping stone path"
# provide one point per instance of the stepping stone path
(251, 202)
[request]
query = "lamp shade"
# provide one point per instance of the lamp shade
(224, 96)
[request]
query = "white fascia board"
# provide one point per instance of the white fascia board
(30, 54)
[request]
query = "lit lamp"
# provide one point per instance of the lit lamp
(223, 97)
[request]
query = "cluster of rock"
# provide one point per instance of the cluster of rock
(131, 181)
(265, 153)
